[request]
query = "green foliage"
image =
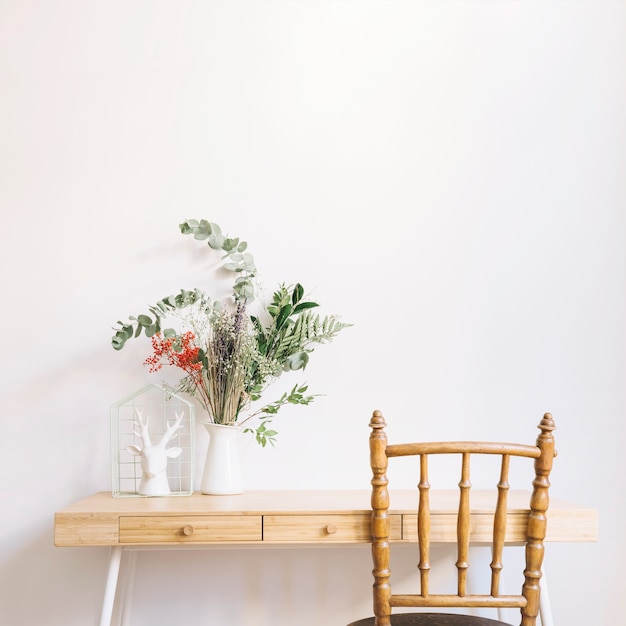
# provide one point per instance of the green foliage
(263, 434)
(293, 328)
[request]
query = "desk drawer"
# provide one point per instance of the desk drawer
(190, 529)
(323, 528)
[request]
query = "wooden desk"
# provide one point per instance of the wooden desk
(294, 518)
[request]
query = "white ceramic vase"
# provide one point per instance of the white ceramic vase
(223, 473)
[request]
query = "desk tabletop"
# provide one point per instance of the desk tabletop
(95, 520)
(266, 502)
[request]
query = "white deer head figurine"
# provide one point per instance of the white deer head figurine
(154, 457)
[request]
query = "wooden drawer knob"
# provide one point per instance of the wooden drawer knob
(188, 530)
(331, 529)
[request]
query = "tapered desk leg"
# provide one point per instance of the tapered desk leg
(115, 559)
(128, 586)
(545, 608)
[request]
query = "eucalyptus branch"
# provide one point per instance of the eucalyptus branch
(150, 324)
(240, 261)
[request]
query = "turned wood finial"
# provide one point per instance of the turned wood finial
(377, 421)
(547, 424)
(378, 444)
(546, 438)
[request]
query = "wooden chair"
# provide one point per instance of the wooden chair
(528, 601)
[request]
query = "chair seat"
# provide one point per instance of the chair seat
(433, 619)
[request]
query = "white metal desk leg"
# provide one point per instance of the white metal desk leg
(129, 586)
(115, 559)
(545, 609)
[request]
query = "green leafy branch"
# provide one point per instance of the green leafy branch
(265, 435)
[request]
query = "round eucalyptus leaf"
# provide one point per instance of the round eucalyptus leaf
(230, 244)
(216, 241)
(188, 225)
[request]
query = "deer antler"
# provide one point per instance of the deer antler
(171, 430)
(143, 433)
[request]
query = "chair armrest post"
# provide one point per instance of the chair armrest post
(380, 520)
(537, 521)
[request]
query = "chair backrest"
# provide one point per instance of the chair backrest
(542, 454)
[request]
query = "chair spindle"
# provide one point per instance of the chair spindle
(499, 526)
(463, 525)
(423, 526)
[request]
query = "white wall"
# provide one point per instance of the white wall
(448, 176)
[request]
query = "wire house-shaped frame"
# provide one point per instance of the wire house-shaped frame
(161, 406)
